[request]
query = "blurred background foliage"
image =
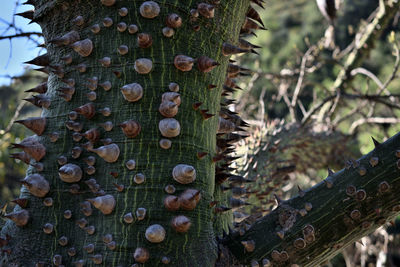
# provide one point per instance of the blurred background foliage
(11, 104)
(292, 27)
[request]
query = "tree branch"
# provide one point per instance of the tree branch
(354, 202)
(381, 120)
(301, 76)
(386, 11)
(15, 116)
(290, 149)
(24, 34)
(363, 43)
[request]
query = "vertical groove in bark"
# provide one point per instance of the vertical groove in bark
(197, 247)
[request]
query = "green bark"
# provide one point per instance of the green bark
(197, 247)
(29, 244)
(334, 217)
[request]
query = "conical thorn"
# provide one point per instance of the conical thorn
(376, 143)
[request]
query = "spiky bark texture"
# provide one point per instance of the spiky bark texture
(317, 224)
(127, 228)
(298, 148)
(271, 156)
(197, 37)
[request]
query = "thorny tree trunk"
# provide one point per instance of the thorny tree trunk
(62, 229)
(199, 37)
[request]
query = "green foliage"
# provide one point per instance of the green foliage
(294, 25)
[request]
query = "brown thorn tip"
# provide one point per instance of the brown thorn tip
(114, 174)
(197, 105)
(213, 203)
(221, 209)
(201, 155)
(206, 115)
(117, 73)
(218, 158)
(22, 202)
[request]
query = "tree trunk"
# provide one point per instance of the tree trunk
(98, 195)
(196, 38)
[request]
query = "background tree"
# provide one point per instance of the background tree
(137, 172)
